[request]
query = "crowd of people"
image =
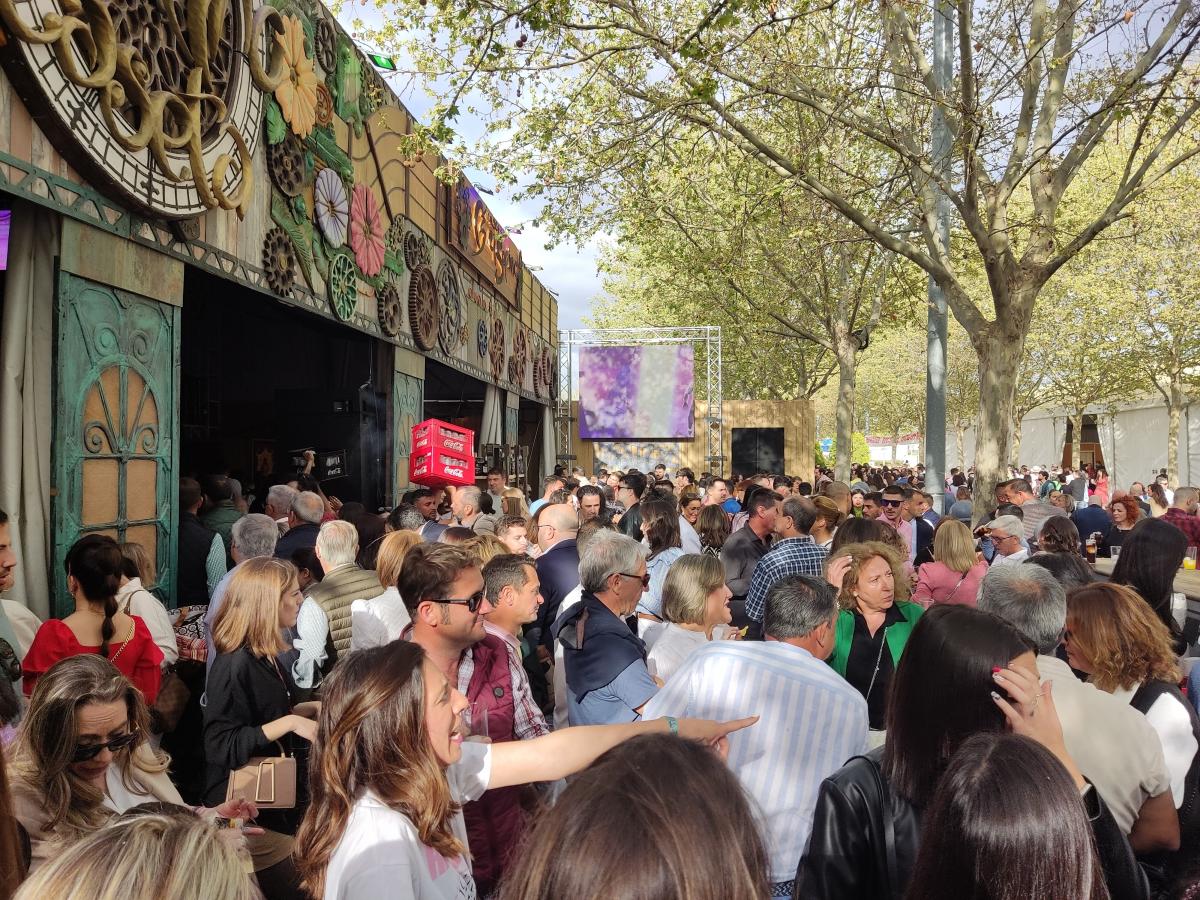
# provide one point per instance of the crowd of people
(631, 685)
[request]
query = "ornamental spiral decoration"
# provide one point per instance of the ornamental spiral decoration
(518, 361)
(285, 162)
(496, 350)
(391, 311)
(452, 329)
(157, 101)
(279, 259)
(423, 314)
(343, 285)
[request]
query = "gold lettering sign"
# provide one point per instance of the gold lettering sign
(157, 101)
(480, 237)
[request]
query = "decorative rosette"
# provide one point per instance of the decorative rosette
(332, 207)
(366, 231)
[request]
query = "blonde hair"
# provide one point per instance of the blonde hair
(249, 615)
(485, 548)
(45, 747)
(1120, 634)
(690, 580)
(953, 546)
(166, 856)
(137, 555)
(512, 503)
(860, 555)
(392, 550)
(828, 511)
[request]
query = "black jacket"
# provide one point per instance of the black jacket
(558, 571)
(859, 852)
(195, 541)
(303, 535)
(245, 692)
(631, 522)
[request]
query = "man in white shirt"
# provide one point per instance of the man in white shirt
(1005, 532)
(1116, 749)
(812, 721)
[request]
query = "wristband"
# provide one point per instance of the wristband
(673, 724)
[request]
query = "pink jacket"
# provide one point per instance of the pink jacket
(938, 583)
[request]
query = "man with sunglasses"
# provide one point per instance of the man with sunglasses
(897, 513)
(606, 676)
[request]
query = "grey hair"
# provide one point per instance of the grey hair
(308, 507)
(337, 543)
(796, 605)
(471, 495)
(1030, 599)
(606, 554)
(281, 497)
(255, 535)
(409, 518)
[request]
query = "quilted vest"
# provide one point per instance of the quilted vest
(336, 591)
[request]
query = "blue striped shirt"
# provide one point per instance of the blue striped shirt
(792, 556)
(811, 722)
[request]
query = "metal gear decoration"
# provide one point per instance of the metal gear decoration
(496, 350)
(537, 372)
(518, 360)
(325, 45)
(452, 328)
(423, 313)
(343, 285)
(548, 370)
(285, 162)
(279, 260)
(416, 251)
(481, 339)
(394, 239)
(391, 311)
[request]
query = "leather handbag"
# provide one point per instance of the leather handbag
(269, 782)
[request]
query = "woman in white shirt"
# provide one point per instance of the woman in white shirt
(1114, 636)
(134, 599)
(695, 601)
(383, 618)
(390, 770)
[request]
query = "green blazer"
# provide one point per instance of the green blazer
(897, 635)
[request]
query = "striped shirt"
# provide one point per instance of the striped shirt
(792, 556)
(811, 722)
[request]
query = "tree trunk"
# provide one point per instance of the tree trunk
(845, 414)
(1014, 451)
(1076, 437)
(895, 445)
(1175, 408)
(960, 441)
(999, 361)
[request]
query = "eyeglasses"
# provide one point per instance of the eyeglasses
(644, 579)
(472, 603)
(886, 502)
(84, 752)
(540, 527)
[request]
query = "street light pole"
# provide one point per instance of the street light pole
(935, 332)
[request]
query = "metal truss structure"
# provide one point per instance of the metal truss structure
(706, 336)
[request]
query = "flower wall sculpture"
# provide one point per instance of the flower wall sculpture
(332, 207)
(366, 231)
(297, 93)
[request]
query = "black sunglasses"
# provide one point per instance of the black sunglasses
(472, 603)
(84, 752)
(887, 502)
(644, 579)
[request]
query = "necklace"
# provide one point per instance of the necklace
(878, 662)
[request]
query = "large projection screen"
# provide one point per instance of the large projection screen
(638, 393)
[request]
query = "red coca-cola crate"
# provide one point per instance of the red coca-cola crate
(441, 454)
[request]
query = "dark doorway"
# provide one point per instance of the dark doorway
(261, 379)
(758, 450)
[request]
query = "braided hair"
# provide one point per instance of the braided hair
(95, 561)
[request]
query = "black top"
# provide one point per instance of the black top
(245, 692)
(195, 541)
(739, 555)
(867, 653)
(303, 535)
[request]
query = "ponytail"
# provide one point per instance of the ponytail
(106, 627)
(95, 561)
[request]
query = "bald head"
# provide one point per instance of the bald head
(558, 522)
(1187, 499)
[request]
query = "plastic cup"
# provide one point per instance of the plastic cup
(1114, 552)
(1189, 558)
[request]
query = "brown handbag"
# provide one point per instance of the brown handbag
(269, 782)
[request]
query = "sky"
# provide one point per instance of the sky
(568, 270)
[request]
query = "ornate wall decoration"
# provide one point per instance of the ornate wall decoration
(156, 102)
(452, 330)
(279, 260)
(287, 166)
(366, 231)
(297, 92)
(343, 285)
(325, 44)
(332, 207)
(481, 339)
(518, 361)
(391, 312)
(496, 349)
(424, 317)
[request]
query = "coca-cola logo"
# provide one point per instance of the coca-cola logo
(457, 473)
(454, 445)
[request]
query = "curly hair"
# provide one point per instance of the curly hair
(1133, 512)
(860, 555)
(1120, 635)
(1059, 535)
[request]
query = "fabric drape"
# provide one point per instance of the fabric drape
(491, 431)
(26, 395)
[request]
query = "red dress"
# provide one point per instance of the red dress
(139, 658)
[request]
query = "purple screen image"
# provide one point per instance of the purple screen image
(5, 226)
(637, 392)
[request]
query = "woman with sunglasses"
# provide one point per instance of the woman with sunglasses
(249, 708)
(83, 756)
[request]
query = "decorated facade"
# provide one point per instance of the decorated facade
(145, 141)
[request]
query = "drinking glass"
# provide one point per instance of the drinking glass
(1115, 553)
(475, 718)
(1189, 558)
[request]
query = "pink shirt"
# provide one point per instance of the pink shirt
(938, 583)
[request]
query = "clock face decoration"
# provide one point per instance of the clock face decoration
(156, 102)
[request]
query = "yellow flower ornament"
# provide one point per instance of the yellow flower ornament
(297, 94)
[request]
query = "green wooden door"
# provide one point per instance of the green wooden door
(115, 429)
